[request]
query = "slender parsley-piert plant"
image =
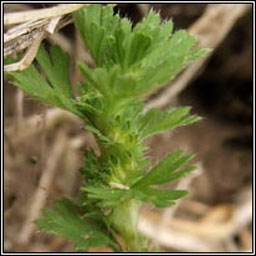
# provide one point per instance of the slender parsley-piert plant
(130, 62)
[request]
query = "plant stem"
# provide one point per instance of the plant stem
(124, 220)
(124, 216)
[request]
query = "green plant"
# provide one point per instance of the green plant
(129, 64)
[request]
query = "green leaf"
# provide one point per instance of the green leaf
(32, 83)
(148, 53)
(156, 121)
(137, 47)
(56, 68)
(66, 222)
(164, 61)
(55, 89)
(97, 132)
(160, 198)
(166, 170)
(95, 78)
(97, 26)
(107, 197)
(92, 169)
(112, 83)
(181, 173)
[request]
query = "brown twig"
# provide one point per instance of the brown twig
(40, 196)
(62, 41)
(29, 55)
(31, 33)
(19, 108)
(206, 234)
(33, 39)
(143, 8)
(23, 28)
(71, 164)
(30, 127)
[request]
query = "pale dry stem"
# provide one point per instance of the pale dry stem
(39, 199)
(38, 25)
(61, 9)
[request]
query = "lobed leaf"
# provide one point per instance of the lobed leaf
(107, 197)
(56, 68)
(160, 198)
(166, 170)
(156, 121)
(66, 222)
(149, 54)
(55, 88)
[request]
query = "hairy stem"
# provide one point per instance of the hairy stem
(124, 220)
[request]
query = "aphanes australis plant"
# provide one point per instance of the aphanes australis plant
(130, 62)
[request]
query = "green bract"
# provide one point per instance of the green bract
(129, 64)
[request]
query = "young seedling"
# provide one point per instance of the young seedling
(130, 62)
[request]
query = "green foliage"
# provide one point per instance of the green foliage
(56, 89)
(141, 59)
(159, 197)
(130, 62)
(156, 121)
(166, 170)
(66, 221)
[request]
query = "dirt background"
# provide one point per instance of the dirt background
(217, 214)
